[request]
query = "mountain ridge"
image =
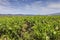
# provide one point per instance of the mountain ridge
(54, 14)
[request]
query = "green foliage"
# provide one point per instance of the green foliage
(30, 27)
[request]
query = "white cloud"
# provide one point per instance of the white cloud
(37, 8)
(33, 8)
(4, 3)
(54, 5)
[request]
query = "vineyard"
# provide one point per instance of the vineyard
(29, 27)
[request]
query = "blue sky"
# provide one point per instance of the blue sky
(42, 7)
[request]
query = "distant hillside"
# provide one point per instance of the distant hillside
(55, 14)
(16, 14)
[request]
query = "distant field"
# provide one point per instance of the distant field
(29, 27)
